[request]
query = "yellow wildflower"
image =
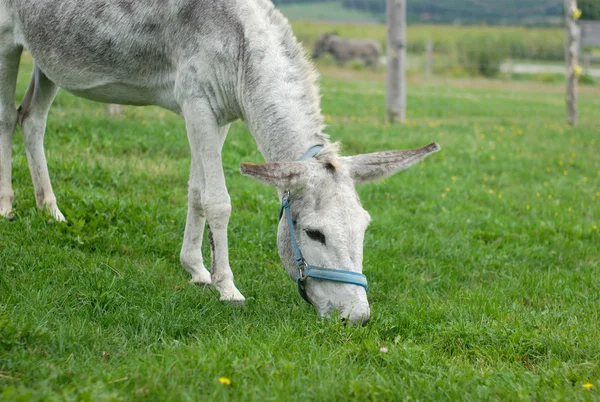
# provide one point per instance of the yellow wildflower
(447, 189)
(585, 179)
(588, 385)
(537, 195)
(491, 191)
(224, 380)
(453, 178)
(550, 197)
(577, 70)
(499, 195)
(528, 207)
(594, 227)
(443, 195)
(576, 14)
(565, 172)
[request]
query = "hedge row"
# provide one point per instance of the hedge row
(515, 42)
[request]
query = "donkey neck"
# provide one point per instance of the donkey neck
(279, 96)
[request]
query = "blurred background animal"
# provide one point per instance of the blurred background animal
(344, 49)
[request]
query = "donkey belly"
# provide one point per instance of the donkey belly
(124, 94)
(107, 51)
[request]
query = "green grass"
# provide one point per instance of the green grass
(483, 261)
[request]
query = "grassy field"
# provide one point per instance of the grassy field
(483, 261)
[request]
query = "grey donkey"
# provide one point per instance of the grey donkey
(211, 62)
(344, 49)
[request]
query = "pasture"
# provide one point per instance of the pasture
(483, 260)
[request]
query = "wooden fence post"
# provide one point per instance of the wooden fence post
(429, 58)
(571, 58)
(396, 60)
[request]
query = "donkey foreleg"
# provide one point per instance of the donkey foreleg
(207, 199)
(191, 254)
(32, 117)
(191, 251)
(9, 67)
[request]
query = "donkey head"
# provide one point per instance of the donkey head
(329, 221)
(322, 44)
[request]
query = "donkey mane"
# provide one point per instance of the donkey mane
(298, 74)
(330, 154)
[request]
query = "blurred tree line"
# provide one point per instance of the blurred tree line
(466, 12)
(590, 9)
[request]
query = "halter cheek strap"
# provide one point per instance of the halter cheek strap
(308, 271)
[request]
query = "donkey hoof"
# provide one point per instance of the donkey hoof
(201, 281)
(235, 303)
(6, 209)
(236, 299)
(200, 276)
(58, 216)
(51, 209)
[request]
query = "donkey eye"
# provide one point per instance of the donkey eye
(316, 236)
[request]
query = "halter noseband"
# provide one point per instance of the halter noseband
(309, 271)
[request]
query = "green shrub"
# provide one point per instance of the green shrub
(482, 54)
(586, 79)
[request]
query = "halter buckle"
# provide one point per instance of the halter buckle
(301, 267)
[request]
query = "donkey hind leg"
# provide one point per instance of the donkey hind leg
(207, 197)
(10, 57)
(191, 252)
(32, 117)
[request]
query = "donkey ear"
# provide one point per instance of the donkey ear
(284, 175)
(367, 167)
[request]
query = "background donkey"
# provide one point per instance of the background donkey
(344, 49)
(212, 62)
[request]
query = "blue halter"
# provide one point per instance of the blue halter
(309, 271)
